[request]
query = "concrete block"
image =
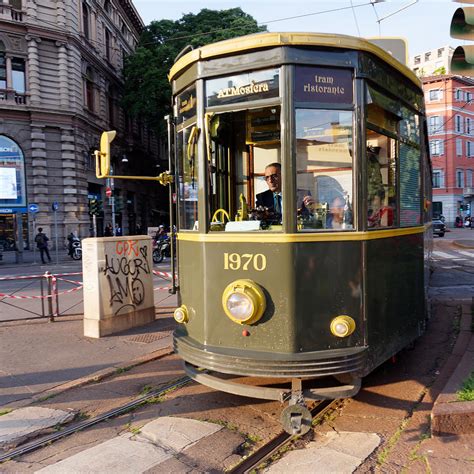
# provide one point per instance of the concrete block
(177, 433)
(118, 286)
(120, 454)
(333, 452)
(24, 423)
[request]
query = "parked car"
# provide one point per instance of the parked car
(439, 227)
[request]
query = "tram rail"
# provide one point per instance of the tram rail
(68, 431)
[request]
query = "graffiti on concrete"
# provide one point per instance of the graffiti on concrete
(125, 268)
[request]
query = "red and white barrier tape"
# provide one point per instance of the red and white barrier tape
(163, 274)
(34, 297)
(26, 277)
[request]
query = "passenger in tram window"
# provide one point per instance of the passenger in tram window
(380, 215)
(336, 213)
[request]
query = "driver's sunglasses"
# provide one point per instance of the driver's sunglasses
(272, 177)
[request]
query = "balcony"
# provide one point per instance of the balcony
(9, 97)
(9, 13)
(468, 192)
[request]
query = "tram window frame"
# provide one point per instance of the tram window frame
(187, 200)
(319, 207)
(403, 208)
(227, 180)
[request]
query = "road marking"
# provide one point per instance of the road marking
(466, 253)
(444, 255)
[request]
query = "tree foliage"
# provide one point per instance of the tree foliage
(147, 90)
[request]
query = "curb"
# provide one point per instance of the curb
(465, 244)
(450, 416)
(92, 378)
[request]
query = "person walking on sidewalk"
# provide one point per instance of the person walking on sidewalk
(42, 243)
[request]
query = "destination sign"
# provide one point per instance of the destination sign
(323, 85)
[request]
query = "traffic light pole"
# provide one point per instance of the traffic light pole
(94, 224)
(112, 202)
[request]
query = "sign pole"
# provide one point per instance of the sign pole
(33, 239)
(56, 234)
(94, 225)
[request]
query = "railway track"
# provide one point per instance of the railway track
(265, 452)
(68, 431)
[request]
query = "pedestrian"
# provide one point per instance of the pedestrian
(118, 230)
(41, 240)
(108, 231)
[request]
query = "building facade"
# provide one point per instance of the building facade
(435, 61)
(60, 87)
(450, 112)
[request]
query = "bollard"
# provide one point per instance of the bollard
(50, 296)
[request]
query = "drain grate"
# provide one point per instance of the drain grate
(150, 337)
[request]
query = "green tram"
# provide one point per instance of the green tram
(303, 191)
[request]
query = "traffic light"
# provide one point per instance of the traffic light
(93, 207)
(462, 27)
(102, 163)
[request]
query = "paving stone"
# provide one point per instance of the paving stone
(24, 423)
(177, 433)
(120, 454)
(333, 452)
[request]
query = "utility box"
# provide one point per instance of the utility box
(118, 284)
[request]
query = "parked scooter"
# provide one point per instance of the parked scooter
(161, 249)
(74, 247)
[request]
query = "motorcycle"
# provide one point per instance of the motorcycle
(75, 248)
(162, 249)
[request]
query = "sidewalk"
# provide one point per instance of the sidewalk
(30, 258)
(39, 355)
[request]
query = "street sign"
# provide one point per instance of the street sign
(108, 191)
(55, 206)
(33, 208)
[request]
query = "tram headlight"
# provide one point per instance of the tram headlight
(181, 314)
(244, 301)
(342, 326)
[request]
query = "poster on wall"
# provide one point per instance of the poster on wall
(12, 174)
(8, 185)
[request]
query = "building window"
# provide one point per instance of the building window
(468, 96)
(468, 126)
(458, 94)
(417, 59)
(434, 124)
(437, 178)
(107, 44)
(3, 71)
(435, 94)
(440, 52)
(85, 20)
(469, 149)
(459, 178)
(458, 124)
(18, 75)
(108, 6)
(436, 147)
(469, 178)
(458, 147)
(427, 56)
(89, 89)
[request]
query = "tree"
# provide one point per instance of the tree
(147, 90)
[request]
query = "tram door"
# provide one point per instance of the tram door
(240, 145)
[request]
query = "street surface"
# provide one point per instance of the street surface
(392, 407)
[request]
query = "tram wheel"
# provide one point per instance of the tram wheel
(296, 419)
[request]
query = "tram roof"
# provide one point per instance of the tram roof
(267, 40)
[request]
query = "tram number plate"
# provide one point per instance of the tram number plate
(245, 261)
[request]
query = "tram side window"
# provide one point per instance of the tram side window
(324, 162)
(240, 146)
(188, 178)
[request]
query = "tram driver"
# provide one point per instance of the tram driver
(272, 197)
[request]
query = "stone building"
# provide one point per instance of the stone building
(60, 86)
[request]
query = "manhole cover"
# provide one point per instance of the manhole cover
(148, 338)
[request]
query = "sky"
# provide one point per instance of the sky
(425, 24)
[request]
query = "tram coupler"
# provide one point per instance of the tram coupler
(296, 418)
